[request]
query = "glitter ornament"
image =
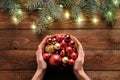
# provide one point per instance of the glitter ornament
(49, 48)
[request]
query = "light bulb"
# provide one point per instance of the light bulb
(67, 15)
(95, 20)
(19, 12)
(39, 8)
(49, 18)
(61, 5)
(115, 2)
(109, 13)
(79, 20)
(15, 20)
(33, 26)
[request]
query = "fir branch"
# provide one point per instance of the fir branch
(12, 6)
(75, 10)
(34, 4)
(66, 3)
(108, 10)
(89, 7)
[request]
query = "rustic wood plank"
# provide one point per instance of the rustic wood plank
(26, 59)
(27, 75)
(90, 39)
(9, 75)
(27, 22)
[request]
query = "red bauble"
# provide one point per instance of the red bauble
(67, 38)
(55, 60)
(71, 43)
(73, 55)
(49, 41)
(54, 40)
(71, 62)
(63, 44)
(59, 37)
(62, 53)
(46, 56)
(69, 49)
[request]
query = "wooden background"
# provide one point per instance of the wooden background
(18, 44)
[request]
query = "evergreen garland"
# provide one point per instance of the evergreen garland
(108, 10)
(75, 10)
(13, 7)
(89, 7)
(50, 10)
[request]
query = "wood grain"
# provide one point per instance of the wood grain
(27, 22)
(90, 39)
(26, 59)
(27, 75)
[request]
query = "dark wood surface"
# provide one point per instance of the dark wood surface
(94, 60)
(18, 44)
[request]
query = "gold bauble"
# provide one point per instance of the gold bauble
(65, 59)
(57, 46)
(49, 48)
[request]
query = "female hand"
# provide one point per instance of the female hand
(78, 66)
(41, 64)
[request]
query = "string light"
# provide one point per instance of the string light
(39, 8)
(15, 20)
(79, 20)
(67, 15)
(49, 18)
(33, 26)
(61, 5)
(19, 12)
(95, 20)
(109, 13)
(115, 2)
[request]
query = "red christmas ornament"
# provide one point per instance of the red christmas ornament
(59, 37)
(71, 62)
(55, 60)
(71, 43)
(54, 40)
(63, 44)
(67, 38)
(49, 41)
(73, 55)
(62, 53)
(69, 49)
(46, 56)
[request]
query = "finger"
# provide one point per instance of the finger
(39, 54)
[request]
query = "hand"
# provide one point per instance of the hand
(41, 64)
(78, 66)
(40, 61)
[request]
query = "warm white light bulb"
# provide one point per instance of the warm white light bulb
(115, 2)
(49, 18)
(15, 20)
(67, 15)
(109, 13)
(95, 20)
(33, 26)
(39, 8)
(19, 12)
(61, 5)
(79, 19)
